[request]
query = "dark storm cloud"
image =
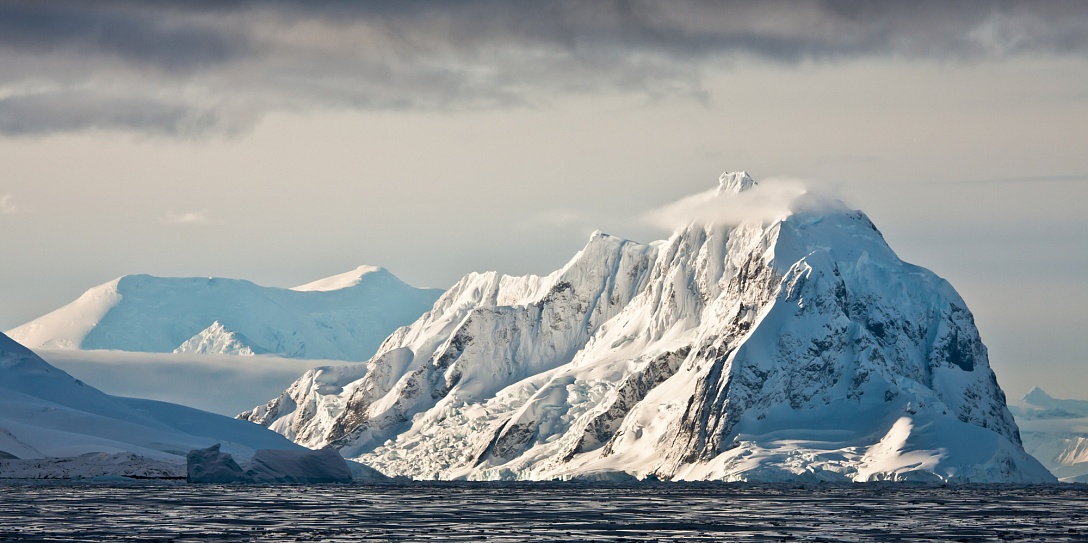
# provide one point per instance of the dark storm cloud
(145, 34)
(49, 112)
(205, 67)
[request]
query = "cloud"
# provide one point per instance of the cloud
(49, 112)
(191, 217)
(7, 205)
(769, 199)
(197, 68)
(216, 383)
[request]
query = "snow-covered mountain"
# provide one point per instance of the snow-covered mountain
(1056, 432)
(344, 317)
(46, 413)
(217, 339)
(762, 349)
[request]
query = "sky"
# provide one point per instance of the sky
(282, 142)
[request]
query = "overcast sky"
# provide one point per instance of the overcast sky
(283, 142)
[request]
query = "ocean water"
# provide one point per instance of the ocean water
(176, 512)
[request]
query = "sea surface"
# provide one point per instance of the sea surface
(177, 512)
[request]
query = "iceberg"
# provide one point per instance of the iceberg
(210, 465)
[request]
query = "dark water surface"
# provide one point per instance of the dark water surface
(168, 511)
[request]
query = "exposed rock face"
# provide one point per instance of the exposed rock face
(800, 347)
(312, 404)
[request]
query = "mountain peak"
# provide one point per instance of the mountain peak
(776, 335)
(1037, 396)
(735, 182)
(599, 234)
(340, 281)
(218, 339)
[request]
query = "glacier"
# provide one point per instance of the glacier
(796, 347)
(344, 317)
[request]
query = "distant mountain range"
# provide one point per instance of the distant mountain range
(344, 317)
(779, 345)
(1055, 432)
(796, 347)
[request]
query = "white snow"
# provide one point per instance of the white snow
(339, 282)
(770, 349)
(1056, 432)
(217, 339)
(66, 327)
(735, 182)
(47, 414)
(340, 318)
(313, 401)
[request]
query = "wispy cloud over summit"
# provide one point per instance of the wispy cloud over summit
(190, 217)
(7, 205)
(185, 69)
(769, 199)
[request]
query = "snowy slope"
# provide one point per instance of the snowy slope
(795, 347)
(45, 412)
(1056, 432)
(341, 318)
